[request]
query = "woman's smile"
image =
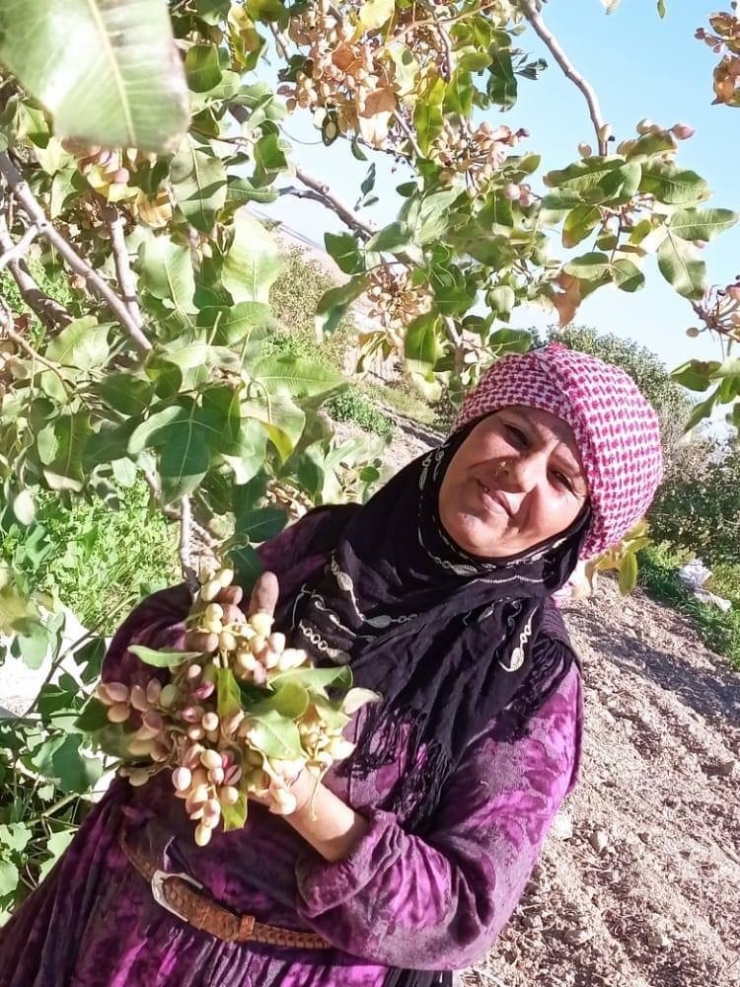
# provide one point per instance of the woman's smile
(516, 481)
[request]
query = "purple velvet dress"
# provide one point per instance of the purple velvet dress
(396, 901)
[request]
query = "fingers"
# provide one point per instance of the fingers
(265, 594)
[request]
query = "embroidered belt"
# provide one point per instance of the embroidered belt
(184, 897)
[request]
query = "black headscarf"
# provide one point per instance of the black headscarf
(444, 637)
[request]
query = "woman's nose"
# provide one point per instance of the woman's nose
(527, 471)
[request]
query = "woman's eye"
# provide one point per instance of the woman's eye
(517, 435)
(564, 481)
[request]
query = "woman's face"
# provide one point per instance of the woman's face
(517, 480)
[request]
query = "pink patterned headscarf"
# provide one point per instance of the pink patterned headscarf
(615, 428)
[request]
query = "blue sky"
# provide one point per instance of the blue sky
(640, 67)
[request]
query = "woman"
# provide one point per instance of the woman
(437, 594)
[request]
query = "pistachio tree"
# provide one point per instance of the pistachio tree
(135, 135)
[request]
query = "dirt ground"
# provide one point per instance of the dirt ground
(639, 882)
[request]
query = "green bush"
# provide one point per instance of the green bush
(659, 577)
(97, 561)
(353, 407)
(294, 297)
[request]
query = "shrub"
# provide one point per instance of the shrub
(659, 577)
(352, 407)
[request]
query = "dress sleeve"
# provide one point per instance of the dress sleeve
(440, 902)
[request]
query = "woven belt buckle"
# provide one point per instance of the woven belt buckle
(157, 884)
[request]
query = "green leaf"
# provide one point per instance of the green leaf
(375, 13)
(167, 272)
(588, 267)
(701, 224)
(260, 524)
(108, 72)
(628, 573)
(212, 11)
(291, 701)
(199, 183)
(228, 696)
(61, 447)
(202, 68)
(93, 717)
(55, 846)
(597, 179)
(9, 877)
(459, 94)
(247, 323)
(344, 250)
(183, 463)
(429, 116)
(682, 267)
(15, 837)
(702, 410)
(252, 263)
(315, 679)
(433, 217)
(24, 507)
(673, 186)
(579, 223)
(392, 239)
(164, 657)
(125, 393)
(235, 816)
(269, 155)
(61, 761)
(296, 376)
(276, 737)
(281, 418)
(694, 374)
(82, 344)
(626, 275)
(334, 303)
(502, 86)
(421, 344)
(501, 301)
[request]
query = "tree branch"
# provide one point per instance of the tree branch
(126, 280)
(345, 213)
(569, 70)
(51, 314)
(20, 248)
(95, 283)
(184, 542)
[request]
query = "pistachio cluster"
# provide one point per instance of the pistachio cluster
(347, 84)
(476, 154)
(395, 301)
(196, 724)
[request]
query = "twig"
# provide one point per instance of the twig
(409, 134)
(345, 213)
(6, 321)
(36, 214)
(184, 544)
(569, 70)
(20, 248)
(126, 280)
(280, 42)
(51, 314)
